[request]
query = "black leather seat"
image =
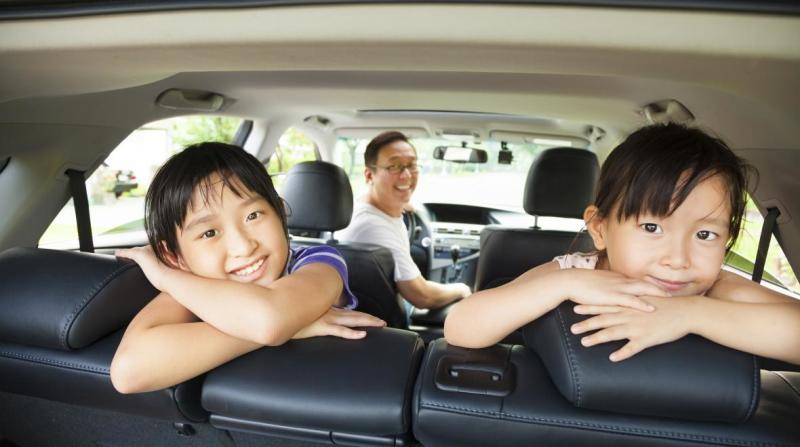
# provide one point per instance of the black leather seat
(504, 395)
(61, 319)
(320, 199)
(560, 183)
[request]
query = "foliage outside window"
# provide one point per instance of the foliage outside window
(777, 269)
(117, 188)
(293, 147)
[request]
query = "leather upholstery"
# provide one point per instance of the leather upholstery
(322, 384)
(535, 413)
(499, 264)
(560, 183)
(82, 377)
(691, 378)
(67, 300)
(319, 197)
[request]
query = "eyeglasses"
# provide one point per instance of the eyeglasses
(397, 168)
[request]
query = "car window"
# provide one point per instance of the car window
(490, 184)
(116, 189)
(777, 270)
(293, 147)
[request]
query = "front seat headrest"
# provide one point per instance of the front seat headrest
(319, 197)
(561, 183)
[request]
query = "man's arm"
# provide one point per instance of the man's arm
(431, 295)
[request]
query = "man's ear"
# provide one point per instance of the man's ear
(368, 175)
(596, 226)
(175, 261)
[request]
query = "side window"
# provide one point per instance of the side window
(742, 257)
(117, 188)
(293, 147)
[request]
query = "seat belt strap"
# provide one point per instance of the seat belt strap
(77, 185)
(763, 243)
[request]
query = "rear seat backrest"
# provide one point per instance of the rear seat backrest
(62, 315)
(320, 199)
(560, 183)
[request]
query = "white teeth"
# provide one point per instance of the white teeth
(248, 270)
(403, 188)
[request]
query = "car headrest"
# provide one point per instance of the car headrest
(67, 300)
(691, 378)
(561, 182)
(319, 197)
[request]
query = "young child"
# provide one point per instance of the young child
(669, 206)
(230, 284)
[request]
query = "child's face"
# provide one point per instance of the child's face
(230, 237)
(681, 253)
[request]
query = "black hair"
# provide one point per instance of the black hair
(170, 194)
(656, 168)
(377, 143)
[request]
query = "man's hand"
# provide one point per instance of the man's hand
(669, 322)
(153, 269)
(339, 323)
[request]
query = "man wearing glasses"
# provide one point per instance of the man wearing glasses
(391, 173)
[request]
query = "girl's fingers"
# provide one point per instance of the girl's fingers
(645, 288)
(634, 303)
(604, 336)
(629, 350)
(599, 322)
(596, 309)
(346, 332)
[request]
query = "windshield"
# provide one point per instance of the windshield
(491, 184)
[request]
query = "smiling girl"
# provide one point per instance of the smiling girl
(230, 284)
(669, 207)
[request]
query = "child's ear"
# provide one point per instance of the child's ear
(174, 260)
(596, 226)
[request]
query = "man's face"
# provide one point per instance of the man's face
(230, 237)
(394, 177)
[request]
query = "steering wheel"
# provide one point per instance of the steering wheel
(419, 235)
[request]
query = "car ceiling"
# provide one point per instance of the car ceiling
(563, 68)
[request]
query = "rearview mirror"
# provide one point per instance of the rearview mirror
(458, 154)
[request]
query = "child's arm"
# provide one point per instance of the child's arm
(738, 313)
(265, 315)
(486, 317)
(165, 344)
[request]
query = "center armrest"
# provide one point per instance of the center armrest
(324, 385)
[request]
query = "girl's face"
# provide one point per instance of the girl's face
(231, 237)
(681, 253)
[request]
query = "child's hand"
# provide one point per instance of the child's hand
(669, 322)
(153, 269)
(338, 322)
(607, 288)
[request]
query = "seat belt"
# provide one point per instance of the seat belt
(763, 243)
(77, 185)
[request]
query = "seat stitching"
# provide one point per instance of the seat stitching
(573, 368)
(607, 427)
(85, 301)
(754, 391)
(52, 362)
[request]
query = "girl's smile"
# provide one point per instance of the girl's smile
(681, 253)
(234, 237)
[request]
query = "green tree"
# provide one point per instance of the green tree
(198, 129)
